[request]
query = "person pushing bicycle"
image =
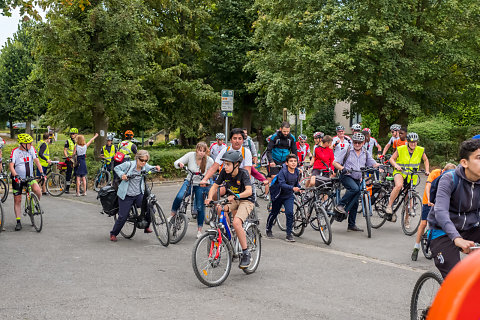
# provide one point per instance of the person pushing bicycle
(22, 159)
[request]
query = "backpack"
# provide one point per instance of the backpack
(434, 184)
(275, 189)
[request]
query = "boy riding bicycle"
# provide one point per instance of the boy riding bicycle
(242, 203)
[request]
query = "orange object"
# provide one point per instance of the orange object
(459, 294)
(370, 188)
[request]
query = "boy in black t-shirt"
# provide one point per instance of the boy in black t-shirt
(241, 204)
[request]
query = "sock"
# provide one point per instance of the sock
(18, 220)
(245, 251)
(417, 246)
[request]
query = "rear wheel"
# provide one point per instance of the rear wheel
(323, 223)
(424, 293)
(378, 217)
(260, 189)
(254, 244)
(298, 216)
(36, 213)
(210, 214)
(56, 184)
(4, 187)
(129, 228)
(160, 224)
(411, 215)
(101, 180)
(178, 227)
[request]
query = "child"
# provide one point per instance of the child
(282, 193)
(81, 150)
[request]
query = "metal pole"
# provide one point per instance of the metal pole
(301, 126)
(226, 130)
(296, 117)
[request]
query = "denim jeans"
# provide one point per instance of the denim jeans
(276, 206)
(350, 199)
(198, 200)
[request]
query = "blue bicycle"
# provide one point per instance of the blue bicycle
(103, 177)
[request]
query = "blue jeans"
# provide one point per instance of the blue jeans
(276, 206)
(198, 200)
(350, 199)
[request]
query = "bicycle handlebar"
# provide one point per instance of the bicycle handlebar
(142, 173)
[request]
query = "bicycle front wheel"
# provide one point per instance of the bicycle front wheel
(101, 180)
(35, 212)
(56, 184)
(324, 224)
(424, 293)
(178, 227)
(412, 214)
(298, 216)
(160, 224)
(260, 189)
(210, 215)
(211, 260)
(367, 213)
(3, 190)
(254, 244)
(426, 251)
(379, 217)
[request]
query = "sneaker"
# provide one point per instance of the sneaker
(407, 224)
(245, 261)
(388, 210)
(394, 218)
(269, 234)
(199, 234)
(18, 227)
(113, 238)
(340, 209)
(289, 238)
(354, 228)
(415, 254)
(147, 230)
(267, 198)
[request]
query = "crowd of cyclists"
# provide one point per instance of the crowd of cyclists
(230, 170)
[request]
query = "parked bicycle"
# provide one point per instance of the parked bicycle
(103, 176)
(214, 252)
(55, 182)
(4, 185)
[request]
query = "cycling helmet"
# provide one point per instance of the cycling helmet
(109, 138)
(302, 137)
(412, 137)
(318, 135)
(73, 130)
(129, 133)
(220, 136)
(24, 138)
(338, 128)
(395, 127)
(367, 130)
(358, 136)
(356, 127)
(232, 156)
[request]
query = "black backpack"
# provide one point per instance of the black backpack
(434, 187)
(109, 199)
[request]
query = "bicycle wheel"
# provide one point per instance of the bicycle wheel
(210, 215)
(56, 184)
(423, 242)
(101, 180)
(254, 244)
(424, 293)
(4, 188)
(178, 227)
(1, 218)
(367, 213)
(129, 228)
(298, 216)
(35, 212)
(411, 215)
(160, 224)
(211, 269)
(378, 217)
(324, 224)
(260, 189)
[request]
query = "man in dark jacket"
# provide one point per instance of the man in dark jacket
(279, 147)
(454, 219)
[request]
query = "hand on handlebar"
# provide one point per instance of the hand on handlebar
(124, 177)
(464, 245)
(208, 202)
(181, 165)
(344, 171)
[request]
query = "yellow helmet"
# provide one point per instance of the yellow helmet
(24, 138)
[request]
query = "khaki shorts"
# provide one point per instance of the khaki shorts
(243, 207)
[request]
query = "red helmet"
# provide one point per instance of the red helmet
(367, 130)
(129, 133)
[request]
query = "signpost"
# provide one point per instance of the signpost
(227, 108)
(302, 116)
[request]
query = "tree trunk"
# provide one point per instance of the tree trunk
(247, 119)
(100, 122)
(260, 139)
(28, 126)
(12, 133)
(383, 126)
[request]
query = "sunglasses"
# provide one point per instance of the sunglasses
(357, 142)
(143, 160)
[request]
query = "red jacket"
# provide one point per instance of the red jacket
(325, 154)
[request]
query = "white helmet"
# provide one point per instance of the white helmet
(358, 136)
(412, 137)
(395, 127)
(220, 136)
(356, 127)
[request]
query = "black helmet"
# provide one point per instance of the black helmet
(232, 156)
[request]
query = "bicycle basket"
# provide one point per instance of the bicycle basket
(109, 200)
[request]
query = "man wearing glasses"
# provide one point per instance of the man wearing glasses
(353, 158)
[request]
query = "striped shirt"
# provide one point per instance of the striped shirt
(355, 162)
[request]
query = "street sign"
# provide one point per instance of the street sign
(227, 114)
(302, 115)
(227, 100)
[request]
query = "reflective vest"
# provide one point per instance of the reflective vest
(71, 147)
(46, 154)
(108, 155)
(409, 162)
(126, 148)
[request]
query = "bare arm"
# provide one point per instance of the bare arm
(91, 140)
(392, 161)
(386, 148)
(426, 163)
(210, 173)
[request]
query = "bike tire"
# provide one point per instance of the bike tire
(415, 216)
(101, 180)
(2, 217)
(4, 189)
(281, 220)
(431, 282)
(325, 228)
(260, 189)
(56, 184)
(129, 228)
(204, 266)
(379, 217)
(160, 224)
(298, 227)
(178, 227)
(367, 213)
(423, 242)
(35, 212)
(254, 244)
(210, 215)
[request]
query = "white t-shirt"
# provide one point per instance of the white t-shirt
(247, 159)
(392, 139)
(339, 146)
(81, 150)
(368, 146)
(215, 149)
(23, 161)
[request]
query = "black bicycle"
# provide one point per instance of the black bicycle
(103, 176)
(138, 219)
(55, 182)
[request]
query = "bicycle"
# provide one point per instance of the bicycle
(214, 252)
(137, 220)
(62, 167)
(103, 176)
(32, 206)
(260, 188)
(55, 182)
(4, 186)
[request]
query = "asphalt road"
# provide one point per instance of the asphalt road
(72, 271)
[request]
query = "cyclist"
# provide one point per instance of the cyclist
(108, 152)
(127, 147)
(353, 158)
(322, 154)
(281, 144)
(238, 181)
(132, 190)
(197, 161)
(44, 156)
(218, 146)
(248, 143)
(317, 138)
(341, 141)
(22, 159)
(454, 219)
(402, 138)
(408, 156)
(303, 149)
(68, 151)
(282, 193)
(426, 206)
(357, 127)
(394, 129)
(371, 143)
